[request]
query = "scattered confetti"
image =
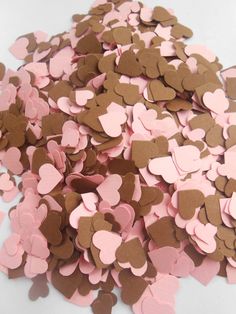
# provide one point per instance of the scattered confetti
(124, 138)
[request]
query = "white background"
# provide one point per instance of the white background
(214, 24)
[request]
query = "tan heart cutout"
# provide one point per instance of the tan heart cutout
(188, 202)
(128, 65)
(160, 92)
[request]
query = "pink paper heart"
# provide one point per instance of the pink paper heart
(39, 247)
(5, 183)
(77, 213)
(107, 242)
(82, 97)
(108, 189)
(133, 19)
(11, 262)
(50, 177)
(70, 138)
(206, 271)
(124, 215)
(60, 63)
(151, 306)
(216, 101)
(112, 122)
(19, 48)
(203, 232)
(201, 50)
(167, 49)
(30, 110)
(35, 266)
(183, 267)
(205, 236)
(149, 119)
(164, 259)
(165, 167)
(11, 160)
(64, 104)
(164, 32)
(90, 201)
(146, 14)
(187, 158)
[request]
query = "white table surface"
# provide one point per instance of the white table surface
(214, 24)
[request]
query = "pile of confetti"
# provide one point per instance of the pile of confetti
(124, 138)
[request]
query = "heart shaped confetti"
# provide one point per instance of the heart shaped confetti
(124, 138)
(50, 177)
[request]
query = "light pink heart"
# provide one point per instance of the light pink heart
(90, 201)
(35, 266)
(206, 271)
(164, 259)
(108, 189)
(70, 138)
(11, 160)
(19, 48)
(39, 247)
(5, 183)
(82, 97)
(149, 119)
(187, 158)
(204, 232)
(201, 50)
(50, 177)
(61, 61)
(165, 167)
(77, 213)
(112, 122)
(107, 242)
(216, 101)
(183, 267)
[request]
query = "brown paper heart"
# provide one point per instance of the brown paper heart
(173, 79)
(131, 252)
(50, 228)
(188, 202)
(162, 232)
(64, 250)
(214, 136)
(129, 92)
(132, 287)
(178, 104)
(142, 152)
(160, 14)
(178, 31)
(160, 92)
(128, 65)
(66, 285)
(88, 44)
